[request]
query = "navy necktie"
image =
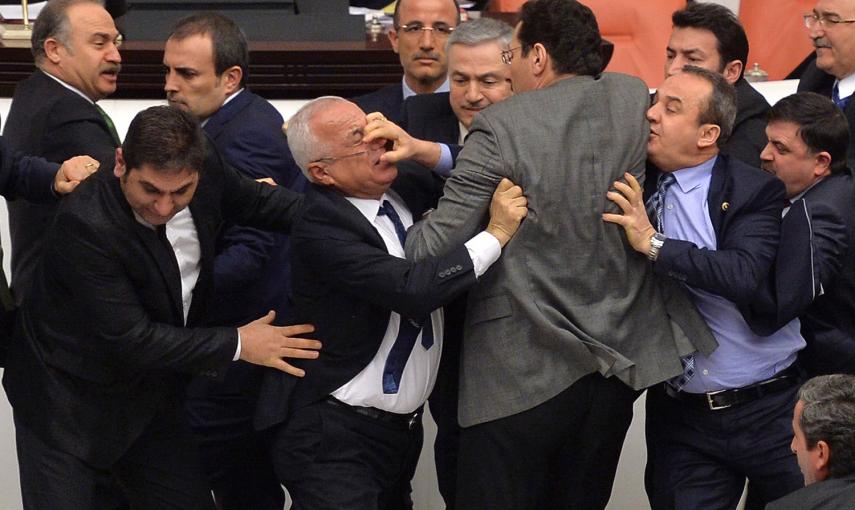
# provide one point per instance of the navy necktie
(835, 96)
(409, 329)
(656, 203)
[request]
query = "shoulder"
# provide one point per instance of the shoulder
(388, 100)
(746, 185)
(436, 102)
(814, 79)
(750, 102)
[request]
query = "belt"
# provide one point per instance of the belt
(407, 421)
(723, 399)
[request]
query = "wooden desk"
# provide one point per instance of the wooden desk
(278, 70)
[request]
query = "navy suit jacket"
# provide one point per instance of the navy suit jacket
(389, 101)
(251, 272)
(346, 284)
(430, 117)
(814, 276)
(749, 129)
(48, 120)
(816, 80)
(745, 205)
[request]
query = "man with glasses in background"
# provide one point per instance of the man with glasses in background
(421, 29)
(832, 29)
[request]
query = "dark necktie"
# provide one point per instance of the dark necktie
(656, 203)
(409, 329)
(835, 96)
(110, 126)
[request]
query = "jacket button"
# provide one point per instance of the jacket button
(459, 267)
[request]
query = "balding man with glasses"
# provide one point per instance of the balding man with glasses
(421, 29)
(831, 26)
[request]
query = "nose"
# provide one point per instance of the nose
(163, 205)
(113, 55)
(169, 82)
(651, 114)
(426, 40)
(816, 30)
(766, 154)
(674, 66)
(473, 93)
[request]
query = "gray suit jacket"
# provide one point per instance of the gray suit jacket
(568, 297)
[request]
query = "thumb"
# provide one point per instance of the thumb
(267, 319)
(504, 185)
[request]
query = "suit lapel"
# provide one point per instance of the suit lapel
(95, 116)
(717, 199)
(350, 214)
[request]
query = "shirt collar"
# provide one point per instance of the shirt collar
(231, 96)
(410, 92)
(463, 132)
(369, 207)
(846, 86)
(695, 176)
(69, 87)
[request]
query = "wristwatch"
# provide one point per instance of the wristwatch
(656, 243)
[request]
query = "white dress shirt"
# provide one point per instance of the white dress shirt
(417, 380)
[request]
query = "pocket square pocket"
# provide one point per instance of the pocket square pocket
(489, 308)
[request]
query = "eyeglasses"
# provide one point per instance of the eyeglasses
(332, 159)
(438, 29)
(813, 19)
(508, 55)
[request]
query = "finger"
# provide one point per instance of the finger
(504, 185)
(374, 116)
(618, 219)
(630, 194)
(619, 199)
(287, 368)
(633, 182)
(512, 192)
(519, 202)
(298, 353)
(300, 343)
(393, 157)
(297, 329)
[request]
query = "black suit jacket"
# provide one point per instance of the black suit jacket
(830, 494)
(101, 340)
(817, 80)
(48, 120)
(346, 284)
(389, 101)
(745, 205)
(814, 276)
(749, 129)
(430, 117)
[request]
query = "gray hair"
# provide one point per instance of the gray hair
(304, 145)
(481, 30)
(721, 106)
(829, 415)
(53, 22)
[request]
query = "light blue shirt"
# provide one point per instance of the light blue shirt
(742, 358)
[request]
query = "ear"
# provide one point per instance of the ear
(318, 174)
(232, 76)
(732, 70)
(821, 456)
(52, 47)
(708, 135)
(822, 167)
(393, 39)
(539, 59)
(120, 168)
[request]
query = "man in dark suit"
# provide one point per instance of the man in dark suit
(207, 63)
(824, 442)
(814, 276)
(717, 230)
(419, 33)
(94, 375)
(53, 112)
(710, 36)
(349, 434)
(832, 73)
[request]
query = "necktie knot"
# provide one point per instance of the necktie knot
(387, 210)
(835, 96)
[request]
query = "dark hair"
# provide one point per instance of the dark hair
(822, 126)
(720, 108)
(227, 40)
(167, 139)
(396, 18)
(569, 32)
(828, 414)
(53, 22)
(731, 41)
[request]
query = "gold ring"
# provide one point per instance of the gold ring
(89, 165)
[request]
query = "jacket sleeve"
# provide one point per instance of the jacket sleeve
(26, 176)
(744, 255)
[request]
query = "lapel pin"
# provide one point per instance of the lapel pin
(725, 206)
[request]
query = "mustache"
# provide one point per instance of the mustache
(420, 55)
(111, 68)
(821, 42)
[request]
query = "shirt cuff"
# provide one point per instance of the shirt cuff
(446, 163)
(484, 249)
(237, 351)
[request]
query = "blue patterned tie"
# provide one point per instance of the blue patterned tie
(835, 96)
(656, 203)
(409, 329)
